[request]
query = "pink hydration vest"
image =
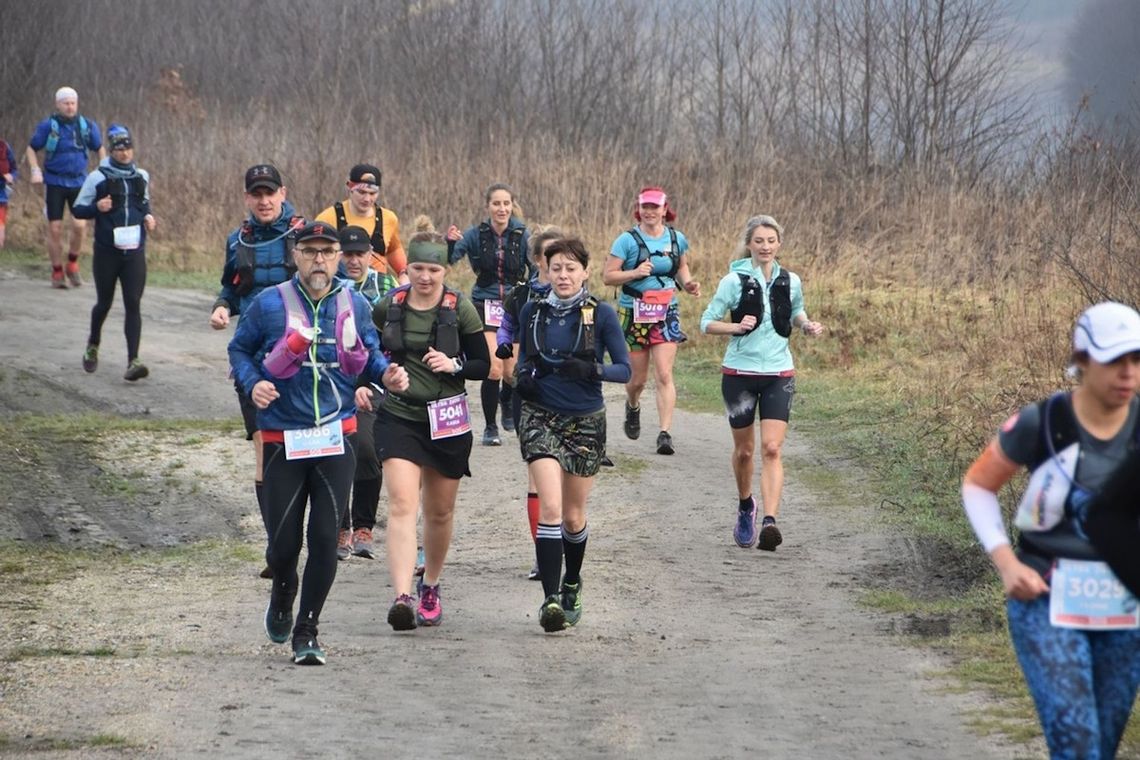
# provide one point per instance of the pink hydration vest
(282, 362)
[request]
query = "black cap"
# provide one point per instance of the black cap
(262, 175)
(354, 239)
(318, 231)
(365, 173)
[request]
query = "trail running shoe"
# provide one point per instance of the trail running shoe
(664, 443)
(362, 543)
(306, 650)
(73, 274)
(57, 281)
(136, 370)
(91, 358)
(534, 575)
(401, 615)
(632, 424)
(745, 531)
(419, 569)
(770, 536)
(430, 611)
(491, 436)
(343, 544)
(279, 614)
(572, 602)
(551, 616)
(508, 418)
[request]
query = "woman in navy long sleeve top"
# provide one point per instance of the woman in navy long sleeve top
(562, 432)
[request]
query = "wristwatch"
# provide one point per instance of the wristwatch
(458, 365)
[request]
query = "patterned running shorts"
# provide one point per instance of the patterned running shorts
(642, 335)
(577, 442)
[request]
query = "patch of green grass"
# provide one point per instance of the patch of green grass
(628, 465)
(61, 744)
(28, 653)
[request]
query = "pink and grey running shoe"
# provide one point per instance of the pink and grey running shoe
(429, 612)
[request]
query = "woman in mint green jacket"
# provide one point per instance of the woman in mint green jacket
(758, 303)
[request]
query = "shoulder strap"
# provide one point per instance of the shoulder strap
(295, 312)
(341, 219)
(52, 139)
(377, 241)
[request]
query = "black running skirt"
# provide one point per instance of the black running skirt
(398, 438)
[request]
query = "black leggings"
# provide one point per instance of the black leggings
(109, 265)
(323, 482)
(369, 476)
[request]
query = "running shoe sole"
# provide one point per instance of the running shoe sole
(360, 550)
(552, 617)
(770, 538)
(286, 626)
(665, 445)
(402, 617)
(309, 656)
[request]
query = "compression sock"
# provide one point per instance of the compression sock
(489, 395)
(548, 549)
(746, 503)
(505, 394)
(574, 545)
(532, 514)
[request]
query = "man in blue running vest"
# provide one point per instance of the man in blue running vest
(65, 137)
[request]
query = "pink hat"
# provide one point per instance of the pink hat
(652, 195)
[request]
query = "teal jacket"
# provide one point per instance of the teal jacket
(762, 351)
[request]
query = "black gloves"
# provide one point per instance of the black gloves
(505, 351)
(578, 369)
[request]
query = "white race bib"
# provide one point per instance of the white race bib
(1086, 595)
(323, 441)
(128, 238)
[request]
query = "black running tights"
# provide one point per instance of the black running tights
(110, 265)
(323, 483)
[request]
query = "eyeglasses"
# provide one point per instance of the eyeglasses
(313, 253)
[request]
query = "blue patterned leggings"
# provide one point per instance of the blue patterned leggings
(1083, 682)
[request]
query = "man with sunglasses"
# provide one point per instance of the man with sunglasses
(259, 255)
(355, 534)
(299, 352)
(362, 209)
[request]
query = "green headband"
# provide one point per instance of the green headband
(427, 252)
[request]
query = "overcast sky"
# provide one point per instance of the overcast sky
(1045, 24)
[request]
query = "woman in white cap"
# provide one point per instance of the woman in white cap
(649, 263)
(1072, 623)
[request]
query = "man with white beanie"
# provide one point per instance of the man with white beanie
(65, 137)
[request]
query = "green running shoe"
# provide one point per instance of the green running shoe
(551, 616)
(91, 358)
(572, 602)
(306, 650)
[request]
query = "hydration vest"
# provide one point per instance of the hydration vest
(535, 334)
(444, 333)
(53, 137)
(133, 187)
(282, 363)
(245, 278)
(377, 240)
(752, 302)
(643, 253)
(1058, 430)
(511, 270)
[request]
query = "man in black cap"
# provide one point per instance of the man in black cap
(299, 351)
(258, 256)
(362, 209)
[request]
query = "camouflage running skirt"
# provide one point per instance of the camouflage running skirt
(578, 442)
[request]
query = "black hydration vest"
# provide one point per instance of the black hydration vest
(1059, 429)
(444, 333)
(535, 335)
(643, 253)
(377, 240)
(245, 278)
(513, 270)
(752, 301)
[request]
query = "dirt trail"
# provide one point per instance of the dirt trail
(688, 647)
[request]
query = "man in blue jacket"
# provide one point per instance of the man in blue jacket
(258, 255)
(297, 352)
(64, 137)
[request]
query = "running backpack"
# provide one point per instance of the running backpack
(352, 356)
(512, 270)
(643, 253)
(53, 137)
(377, 241)
(528, 372)
(444, 333)
(245, 276)
(752, 302)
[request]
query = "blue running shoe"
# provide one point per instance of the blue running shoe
(745, 531)
(279, 614)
